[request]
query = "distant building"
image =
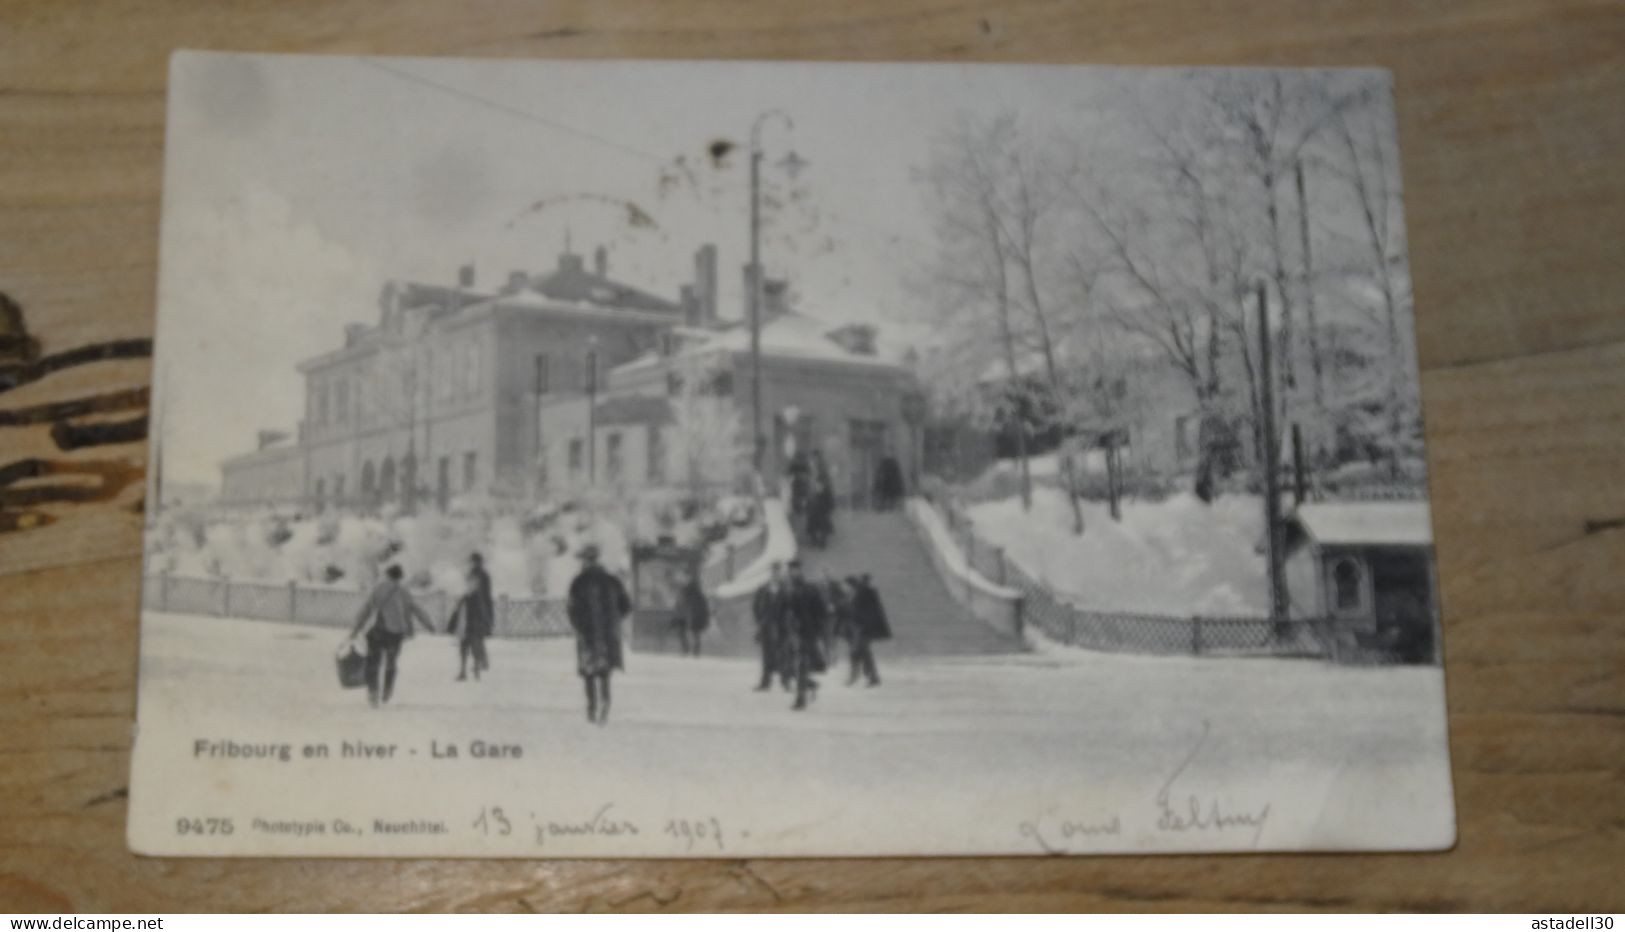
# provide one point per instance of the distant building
(456, 389)
(1369, 568)
(681, 413)
(440, 395)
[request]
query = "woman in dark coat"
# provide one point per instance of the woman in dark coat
(598, 603)
(476, 613)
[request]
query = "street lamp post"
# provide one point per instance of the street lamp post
(792, 163)
(592, 410)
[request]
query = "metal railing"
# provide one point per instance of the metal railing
(1132, 632)
(329, 607)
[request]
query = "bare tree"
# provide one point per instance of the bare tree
(973, 263)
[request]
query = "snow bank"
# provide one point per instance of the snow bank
(1176, 557)
(780, 548)
(997, 606)
(527, 554)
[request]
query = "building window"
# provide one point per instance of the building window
(613, 458)
(363, 416)
(576, 453)
(338, 489)
(321, 404)
(446, 373)
(369, 480)
(541, 374)
(386, 479)
(469, 469)
(321, 491)
(674, 384)
(722, 384)
(1348, 587)
(657, 454)
(341, 401)
(471, 375)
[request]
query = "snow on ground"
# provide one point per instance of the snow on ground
(951, 756)
(1175, 557)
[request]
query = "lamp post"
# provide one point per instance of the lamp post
(592, 410)
(792, 164)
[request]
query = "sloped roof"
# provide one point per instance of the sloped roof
(791, 335)
(1406, 524)
(573, 283)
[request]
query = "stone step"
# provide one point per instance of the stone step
(925, 620)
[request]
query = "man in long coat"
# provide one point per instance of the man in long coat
(768, 608)
(693, 614)
(804, 612)
(598, 603)
(476, 613)
(869, 625)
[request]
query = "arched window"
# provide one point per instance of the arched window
(369, 484)
(1348, 585)
(386, 479)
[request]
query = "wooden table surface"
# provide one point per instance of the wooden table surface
(1512, 123)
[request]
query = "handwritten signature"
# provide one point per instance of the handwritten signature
(1191, 812)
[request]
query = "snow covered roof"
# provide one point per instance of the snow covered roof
(633, 409)
(1406, 524)
(791, 335)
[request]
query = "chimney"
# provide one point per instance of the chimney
(775, 298)
(705, 283)
(600, 261)
(352, 333)
(268, 437)
(465, 276)
(691, 306)
(516, 282)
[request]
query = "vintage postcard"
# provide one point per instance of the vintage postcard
(679, 459)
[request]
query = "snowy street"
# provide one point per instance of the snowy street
(1011, 753)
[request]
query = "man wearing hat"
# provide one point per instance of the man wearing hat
(768, 607)
(598, 603)
(804, 612)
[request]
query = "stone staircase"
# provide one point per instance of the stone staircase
(925, 620)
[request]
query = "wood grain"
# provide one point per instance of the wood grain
(1512, 118)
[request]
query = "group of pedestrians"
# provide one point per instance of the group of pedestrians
(390, 616)
(799, 620)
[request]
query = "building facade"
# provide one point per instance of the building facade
(682, 413)
(440, 396)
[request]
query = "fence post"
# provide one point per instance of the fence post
(998, 555)
(728, 567)
(1021, 622)
(501, 626)
(1196, 636)
(163, 591)
(293, 600)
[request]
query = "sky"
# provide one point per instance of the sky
(296, 186)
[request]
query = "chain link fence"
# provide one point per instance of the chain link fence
(1133, 632)
(331, 607)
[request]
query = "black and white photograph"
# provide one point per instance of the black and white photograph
(622, 459)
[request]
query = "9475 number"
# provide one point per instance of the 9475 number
(203, 826)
